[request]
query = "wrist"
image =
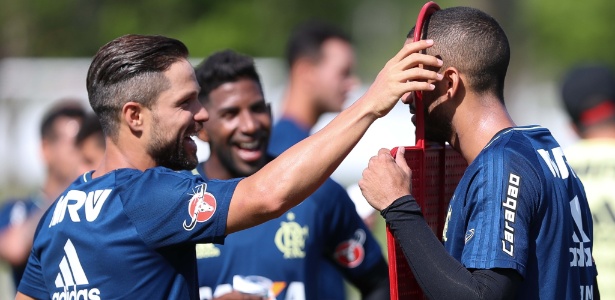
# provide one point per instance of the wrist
(366, 108)
(403, 203)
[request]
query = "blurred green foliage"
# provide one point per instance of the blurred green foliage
(549, 33)
(563, 33)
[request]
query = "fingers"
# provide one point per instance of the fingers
(418, 74)
(415, 78)
(411, 48)
(409, 56)
(375, 161)
(400, 159)
(384, 151)
(416, 59)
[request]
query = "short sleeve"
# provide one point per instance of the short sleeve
(500, 204)
(169, 208)
(32, 283)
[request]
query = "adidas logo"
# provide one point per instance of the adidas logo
(71, 276)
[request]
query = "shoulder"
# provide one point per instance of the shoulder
(512, 153)
(517, 146)
(158, 177)
(163, 179)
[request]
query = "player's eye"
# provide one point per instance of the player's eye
(260, 107)
(229, 113)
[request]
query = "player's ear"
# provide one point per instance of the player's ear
(454, 83)
(132, 114)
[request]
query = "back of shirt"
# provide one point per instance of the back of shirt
(520, 206)
(127, 234)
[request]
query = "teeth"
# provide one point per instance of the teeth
(249, 146)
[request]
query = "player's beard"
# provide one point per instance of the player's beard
(438, 127)
(170, 154)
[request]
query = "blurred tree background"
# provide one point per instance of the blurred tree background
(551, 34)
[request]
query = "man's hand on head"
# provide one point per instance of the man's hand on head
(401, 75)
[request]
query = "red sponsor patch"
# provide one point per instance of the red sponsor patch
(201, 207)
(351, 253)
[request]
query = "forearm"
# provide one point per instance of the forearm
(295, 174)
(299, 171)
(15, 244)
(439, 274)
(302, 168)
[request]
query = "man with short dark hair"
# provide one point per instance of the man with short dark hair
(518, 224)
(289, 250)
(321, 63)
(128, 229)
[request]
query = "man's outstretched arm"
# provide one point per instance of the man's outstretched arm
(296, 173)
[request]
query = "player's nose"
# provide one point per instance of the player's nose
(201, 115)
(248, 123)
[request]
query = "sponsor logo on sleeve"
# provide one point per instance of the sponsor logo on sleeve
(350, 253)
(469, 235)
(509, 205)
(201, 207)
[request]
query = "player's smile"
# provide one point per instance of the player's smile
(189, 143)
(250, 151)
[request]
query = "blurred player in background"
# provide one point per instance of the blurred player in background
(18, 217)
(289, 250)
(588, 94)
(321, 64)
(91, 143)
(129, 228)
(518, 224)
